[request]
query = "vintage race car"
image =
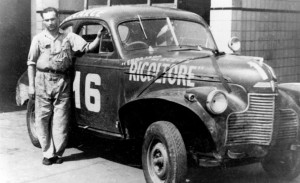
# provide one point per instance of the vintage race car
(159, 77)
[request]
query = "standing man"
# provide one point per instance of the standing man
(49, 61)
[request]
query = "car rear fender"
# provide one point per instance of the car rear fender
(22, 90)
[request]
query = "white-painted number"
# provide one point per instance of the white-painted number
(92, 96)
(76, 89)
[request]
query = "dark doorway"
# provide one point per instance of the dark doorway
(15, 28)
(200, 7)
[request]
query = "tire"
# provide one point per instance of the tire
(30, 119)
(284, 164)
(164, 156)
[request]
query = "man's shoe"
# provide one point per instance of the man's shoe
(47, 161)
(57, 160)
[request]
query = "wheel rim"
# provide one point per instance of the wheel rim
(32, 123)
(157, 158)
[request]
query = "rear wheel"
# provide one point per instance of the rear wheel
(282, 164)
(164, 156)
(30, 118)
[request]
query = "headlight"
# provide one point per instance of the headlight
(216, 102)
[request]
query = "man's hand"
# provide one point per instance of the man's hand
(31, 92)
(101, 28)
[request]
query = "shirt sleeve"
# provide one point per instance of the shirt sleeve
(34, 52)
(78, 43)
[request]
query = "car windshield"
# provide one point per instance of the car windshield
(142, 34)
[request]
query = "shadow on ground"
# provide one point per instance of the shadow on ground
(8, 102)
(129, 154)
(8, 83)
(123, 152)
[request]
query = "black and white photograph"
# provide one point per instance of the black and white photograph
(149, 91)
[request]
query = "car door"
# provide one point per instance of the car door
(96, 83)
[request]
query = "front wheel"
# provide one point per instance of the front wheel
(30, 118)
(283, 164)
(164, 156)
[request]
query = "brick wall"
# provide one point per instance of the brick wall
(267, 28)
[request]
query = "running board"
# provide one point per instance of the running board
(102, 132)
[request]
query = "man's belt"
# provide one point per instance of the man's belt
(52, 71)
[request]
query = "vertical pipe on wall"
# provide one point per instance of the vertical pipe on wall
(108, 2)
(176, 3)
(86, 4)
(149, 3)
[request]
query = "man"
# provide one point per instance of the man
(48, 62)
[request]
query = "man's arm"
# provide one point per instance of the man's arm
(31, 62)
(31, 76)
(79, 44)
(96, 41)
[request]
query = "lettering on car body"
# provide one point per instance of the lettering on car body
(144, 71)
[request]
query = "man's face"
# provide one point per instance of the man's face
(50, 20)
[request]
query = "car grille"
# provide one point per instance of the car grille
(255, 124)
(287, 124)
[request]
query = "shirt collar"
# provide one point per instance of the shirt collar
(48, 35)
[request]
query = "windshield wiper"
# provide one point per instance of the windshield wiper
(216, 52)
(193, 48)
(142, 27)
(172, 31)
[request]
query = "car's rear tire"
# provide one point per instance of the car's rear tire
(30, 118)
(284, 164)
(164, 156)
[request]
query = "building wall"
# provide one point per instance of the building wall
(267, 28)
(66, 7)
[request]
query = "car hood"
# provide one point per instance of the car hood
(190, 68)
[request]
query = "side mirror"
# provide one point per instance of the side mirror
(234, 44)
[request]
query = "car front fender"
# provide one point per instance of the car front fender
(291, 89)
(172, 97)
(289, 100)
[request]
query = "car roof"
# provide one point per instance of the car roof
(120, 13)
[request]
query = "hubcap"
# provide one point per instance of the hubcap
(158, 161)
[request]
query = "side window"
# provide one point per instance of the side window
(89, 32)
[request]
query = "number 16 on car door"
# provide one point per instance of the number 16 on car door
(93, 102)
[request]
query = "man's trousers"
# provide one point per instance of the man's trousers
(52, 111)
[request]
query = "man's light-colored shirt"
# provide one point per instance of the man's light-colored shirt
(48, 52)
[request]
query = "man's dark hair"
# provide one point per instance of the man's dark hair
(49, 9)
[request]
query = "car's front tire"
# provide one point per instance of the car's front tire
(164, 156)
(30, 118)
(282, 164)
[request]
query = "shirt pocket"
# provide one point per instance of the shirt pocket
(45, 46)
(62, 60)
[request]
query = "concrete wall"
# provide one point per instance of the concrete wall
(267, 28)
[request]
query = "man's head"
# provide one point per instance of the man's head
(50, 18)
